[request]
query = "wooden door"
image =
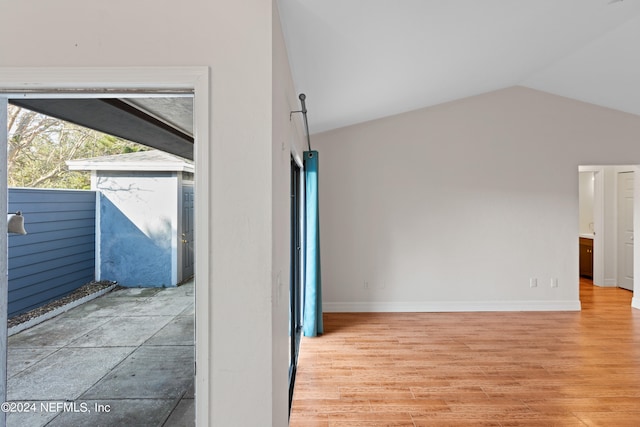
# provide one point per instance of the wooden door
(187, 231)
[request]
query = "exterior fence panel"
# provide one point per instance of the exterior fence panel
(57, 255)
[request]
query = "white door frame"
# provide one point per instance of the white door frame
(70, 82)
(635, 301)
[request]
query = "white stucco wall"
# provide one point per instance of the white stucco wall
(138, 222)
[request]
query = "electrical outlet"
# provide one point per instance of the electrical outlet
(533, 282)
(554, 282)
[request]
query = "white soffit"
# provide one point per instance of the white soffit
(152, 160)
(359, 60)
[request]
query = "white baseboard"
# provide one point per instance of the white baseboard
(449, 306)
(610, 283)
(635, 302)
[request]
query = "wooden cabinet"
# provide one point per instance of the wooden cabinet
(586, 257)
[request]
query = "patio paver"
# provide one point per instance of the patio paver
(19, 359)
(131, 351)
(125, 331)
(175, 332)
(149, 372)
(65, 374)
(56, 332)
(128, 412)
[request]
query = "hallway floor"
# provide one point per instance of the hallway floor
(123, 359)
(475, 369)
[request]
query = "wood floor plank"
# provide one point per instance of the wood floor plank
(493, 369)
(391, 419)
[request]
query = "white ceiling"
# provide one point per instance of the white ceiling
(358, 60)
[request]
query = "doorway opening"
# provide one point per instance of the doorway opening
(587, 222)
(129, 83)
(606, 216)
(296, 290)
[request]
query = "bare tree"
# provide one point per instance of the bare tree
(40, 145)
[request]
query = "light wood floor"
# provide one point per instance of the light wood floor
(475, 369)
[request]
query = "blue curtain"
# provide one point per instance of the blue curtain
(312, 325)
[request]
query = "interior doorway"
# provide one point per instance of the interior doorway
(591, 224)
(606, 215)
(587, 222)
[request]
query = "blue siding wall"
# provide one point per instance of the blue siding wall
(57, 255)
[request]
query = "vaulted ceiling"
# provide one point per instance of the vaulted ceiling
(358, 60)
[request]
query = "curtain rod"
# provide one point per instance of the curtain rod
(302, 97)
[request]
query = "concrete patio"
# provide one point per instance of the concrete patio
(123, 359)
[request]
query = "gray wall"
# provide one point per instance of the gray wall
(57, 255)
(457, 206)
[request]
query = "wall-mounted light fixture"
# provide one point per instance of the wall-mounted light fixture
(15, 223)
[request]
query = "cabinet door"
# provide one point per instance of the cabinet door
(586, 258)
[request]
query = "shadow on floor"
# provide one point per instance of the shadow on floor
(124, 359)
